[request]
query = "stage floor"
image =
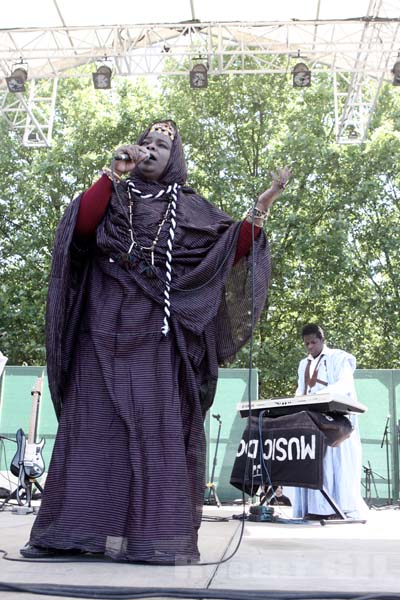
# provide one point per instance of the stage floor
(359, 558)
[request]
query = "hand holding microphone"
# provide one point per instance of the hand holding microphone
(127, 157)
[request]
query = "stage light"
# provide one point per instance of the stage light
(199, 76)
(301, 75)
(33, 137)
(16, 81)
(102, 78)
(352, 131)
(396, 73)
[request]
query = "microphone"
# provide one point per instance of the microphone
(217, 417)
(125, 156)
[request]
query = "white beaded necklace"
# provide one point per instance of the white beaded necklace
(135, 242)
(172, 191)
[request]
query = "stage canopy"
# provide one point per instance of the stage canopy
(357, 41)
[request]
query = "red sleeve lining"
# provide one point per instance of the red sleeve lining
(93, 206)
(244, 240)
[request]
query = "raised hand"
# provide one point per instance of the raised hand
(281, 177)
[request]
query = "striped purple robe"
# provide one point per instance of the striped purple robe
(127, 473)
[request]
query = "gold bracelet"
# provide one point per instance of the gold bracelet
(110, 174)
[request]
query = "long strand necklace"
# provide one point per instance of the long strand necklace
(134, 240)
(170, 212)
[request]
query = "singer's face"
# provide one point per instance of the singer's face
(159, 147)
(313, 344)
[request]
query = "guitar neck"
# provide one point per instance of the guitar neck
(36, 395)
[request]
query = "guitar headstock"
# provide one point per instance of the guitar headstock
(37, 388)
(36, 395)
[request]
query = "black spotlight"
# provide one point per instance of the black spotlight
(102, 78)
(199, 76)
(301, 75)
(16, 81)
(396, 73)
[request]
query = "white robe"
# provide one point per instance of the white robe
(342, 465)
(3, 360)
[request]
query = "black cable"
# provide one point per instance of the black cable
(128, 593)
(3, 437)
(208, 518)
(6, 463)
(5, 502)
(260, 421)
(80, 558)
(249, 391)
(252, 326)
(251, 342)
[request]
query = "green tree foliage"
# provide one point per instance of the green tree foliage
(38, 184)
(334, 232)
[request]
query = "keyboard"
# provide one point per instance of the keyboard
(326, 403)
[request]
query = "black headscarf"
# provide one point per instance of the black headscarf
(174, 172)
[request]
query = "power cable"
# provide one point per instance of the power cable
(133, 593)
(6, 463)
(249, 392)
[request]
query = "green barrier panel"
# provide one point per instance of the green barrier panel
(375, 388)
(395, 435)
(378, 389)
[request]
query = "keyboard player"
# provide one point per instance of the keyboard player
(327, 370)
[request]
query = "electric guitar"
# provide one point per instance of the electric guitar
(28, 463)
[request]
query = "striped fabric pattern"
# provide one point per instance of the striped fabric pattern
(128, 469)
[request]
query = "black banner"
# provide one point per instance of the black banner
(285, 450)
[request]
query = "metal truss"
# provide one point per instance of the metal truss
(358, 52)
(31, 117)
(356, 93)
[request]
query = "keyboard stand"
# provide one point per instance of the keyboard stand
(342, 519)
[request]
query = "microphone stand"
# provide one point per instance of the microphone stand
(385, 440)
(369, 478)
(212, 497)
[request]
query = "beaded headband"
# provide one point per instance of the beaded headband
(165, 128)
